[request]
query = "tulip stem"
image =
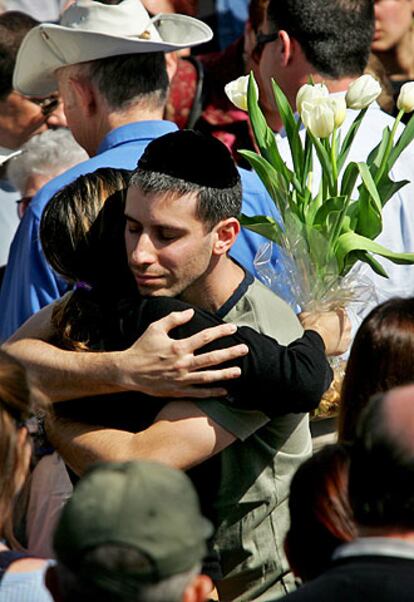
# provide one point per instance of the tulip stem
(388, 149)
(334, 190)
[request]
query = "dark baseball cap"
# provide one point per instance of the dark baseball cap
(143, 505)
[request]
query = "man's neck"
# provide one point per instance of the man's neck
(390, 532)
(216, 286)
(115, 119)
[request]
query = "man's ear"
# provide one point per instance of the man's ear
(226, 234)
(171, 63)
(198, 590)
(52, 584)
(85, 94)
(287, 47)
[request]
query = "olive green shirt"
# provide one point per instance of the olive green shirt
(257, 468)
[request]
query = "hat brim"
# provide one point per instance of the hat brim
(55, 46)
(5, 158)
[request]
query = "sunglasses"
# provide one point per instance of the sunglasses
(47, 105)
(261, 40)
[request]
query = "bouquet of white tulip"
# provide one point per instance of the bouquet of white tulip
(326, 230)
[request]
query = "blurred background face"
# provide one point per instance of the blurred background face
(21, 118)
(393, 19)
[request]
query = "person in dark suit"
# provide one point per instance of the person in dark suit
(379, 564)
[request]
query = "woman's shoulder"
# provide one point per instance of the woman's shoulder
(24, 581)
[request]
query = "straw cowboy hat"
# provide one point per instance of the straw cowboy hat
(89, 30)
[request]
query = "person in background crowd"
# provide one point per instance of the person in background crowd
(131, 532)
(382, 357)
(320, 514)
(21, 577)
(393, 41)
(379, 564)
(197, 98)
(43, 157)
(20, 118)
(129, 93)
(330, 41)
(183, 7)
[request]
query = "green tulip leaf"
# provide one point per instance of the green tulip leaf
(350, 241)
(387, 188)
(291, 125)
(349, 179)
(272, 179)
(407, 136)
(323, 157)
(264, 136)
(349, 138)
(370, 206)
(376, 156)
(328, 207)
(263, 225)
(365, 257)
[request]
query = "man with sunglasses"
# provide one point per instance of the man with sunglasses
(20, 119)
(330, 42)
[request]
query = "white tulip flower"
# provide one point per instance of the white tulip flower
(236, 91)
(338, 105)
(318, 117)
(308, 93)
(405, 101)
(362, 92)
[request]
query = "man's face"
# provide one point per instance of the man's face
(20, 119)
(393, 20)
(270, 66)
(169, 248)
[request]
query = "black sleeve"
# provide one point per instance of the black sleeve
(276, 379)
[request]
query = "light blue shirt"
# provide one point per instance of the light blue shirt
(30, 283)
(26, 587)
(9, 220)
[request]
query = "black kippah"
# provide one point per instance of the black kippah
(193, 157)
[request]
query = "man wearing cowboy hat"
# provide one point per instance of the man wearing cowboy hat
(20, 119)
(114, 89)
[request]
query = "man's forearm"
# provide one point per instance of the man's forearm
(155, 364)
(59, 375)
(182, 436)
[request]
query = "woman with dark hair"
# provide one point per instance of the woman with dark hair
(381, 358)
(320, 514)
(21, 577)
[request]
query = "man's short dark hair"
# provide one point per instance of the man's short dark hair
(129, 78)
(187, 162)
(13, 28)
(381, 473)
(335, 35)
